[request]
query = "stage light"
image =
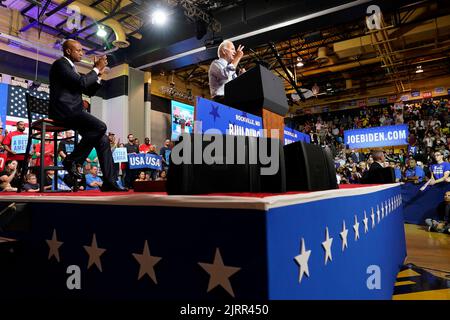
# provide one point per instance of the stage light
(159, 17)
(101, 32)
(300, 62)
(419, 69)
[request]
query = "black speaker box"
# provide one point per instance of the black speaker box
(237, 167)
(309, 168)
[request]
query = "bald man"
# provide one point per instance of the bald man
(66, 105)
(223, 70)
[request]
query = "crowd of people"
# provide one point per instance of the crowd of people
(11, 178)
(424, 157)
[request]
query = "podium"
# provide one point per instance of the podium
(258, 91)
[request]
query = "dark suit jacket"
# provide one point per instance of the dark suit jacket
(66, 88)
(357, 157)
(378, 174)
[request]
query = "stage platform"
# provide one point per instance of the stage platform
(336, 244)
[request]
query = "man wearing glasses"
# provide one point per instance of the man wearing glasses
(440, 171)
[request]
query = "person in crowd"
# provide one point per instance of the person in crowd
(112, 141)
(429, 140)
(117, 169)
(414, 173)
(66, 147)
(31, 184)
(164, 152)
(130, 175)
(355, 176)
(141, 176)
(91, 160)
(397, 170)
(441, 170)
(48, 153)
(375, 173)
(8, 175)
(145, 147)
(357, 156)
(7, 144)
(153, 172)
(443, 224)
(401, 157)
(48, 182)
(162, 176)
(93, 181)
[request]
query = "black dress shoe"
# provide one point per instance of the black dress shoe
(71, 168)
(112, 187)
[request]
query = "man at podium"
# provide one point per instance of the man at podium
(223, 70)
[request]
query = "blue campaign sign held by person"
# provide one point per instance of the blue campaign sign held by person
(227, 120)
(120, 155)
(19, 143)
(377, 137)
(145, 161)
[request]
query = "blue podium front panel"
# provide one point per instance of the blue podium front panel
(308, 258)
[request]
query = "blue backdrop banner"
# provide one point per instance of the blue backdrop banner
(144, 161)
(291, 135)
(227, 120)
(377, 137)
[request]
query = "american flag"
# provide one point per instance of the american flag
(17, 107)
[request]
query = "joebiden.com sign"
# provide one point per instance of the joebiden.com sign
(377, 137)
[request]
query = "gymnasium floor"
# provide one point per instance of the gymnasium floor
(426, 275)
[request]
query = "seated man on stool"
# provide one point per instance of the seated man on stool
(66, 105)
(223, 70)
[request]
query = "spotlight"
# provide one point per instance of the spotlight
(159, 17)
(419, 69)
(300, 62)
(101, 32)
